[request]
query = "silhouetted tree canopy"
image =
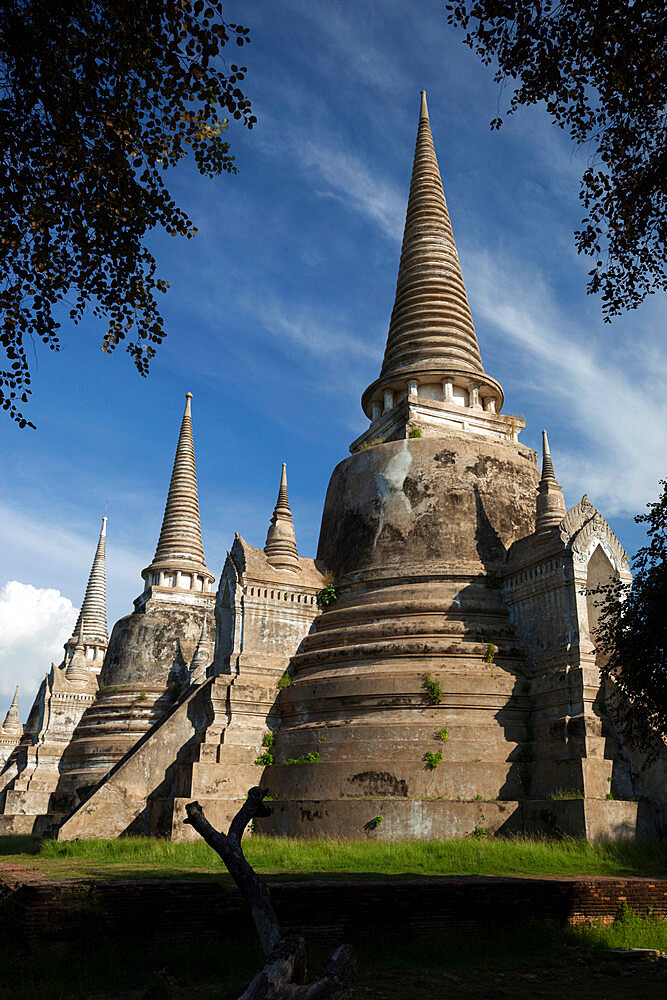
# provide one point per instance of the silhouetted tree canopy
(601, 69)
(98, 98)
(632, 634)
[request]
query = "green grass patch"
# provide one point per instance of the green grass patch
(287, 856)
(629, 931)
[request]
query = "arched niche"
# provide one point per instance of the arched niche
(600, 571)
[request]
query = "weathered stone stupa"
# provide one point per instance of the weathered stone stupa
(32, 771)
(11, 729)
(146, 666)
(452, 688)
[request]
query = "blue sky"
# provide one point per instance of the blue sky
(278, 313)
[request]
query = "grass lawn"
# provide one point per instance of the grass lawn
(523, 962)
(337, 858)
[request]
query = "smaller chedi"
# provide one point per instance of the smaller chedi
(32, 769)
(11, 730)
(450, 685)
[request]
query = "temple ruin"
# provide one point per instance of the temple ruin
(448, 688)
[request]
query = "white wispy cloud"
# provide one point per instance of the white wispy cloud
(589, 382)
(35, 622)
(301, 326)
(345, 176)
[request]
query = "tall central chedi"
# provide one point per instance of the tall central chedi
(417, 656)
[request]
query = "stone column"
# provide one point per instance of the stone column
(388, 400)
(376, 409)
(448, 390)
(413, 387)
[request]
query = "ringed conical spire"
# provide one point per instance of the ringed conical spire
(280, 547)
(77, 671)
(431, 335)
(12, 723)
(179, 549)
(92, 620)
(551, 508)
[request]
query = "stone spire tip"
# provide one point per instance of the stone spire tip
(431, 337)
(179, 548)
(91, 625)
(12, 722)
(280, 547)
(550, 501)
(547, 464)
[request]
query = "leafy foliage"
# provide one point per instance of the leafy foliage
(433, 689)
(632, 635)
(326, 597)
(306, 758)
(97, 101)
(432, 759)
(286, 679)
(601, 69)
(265, 759)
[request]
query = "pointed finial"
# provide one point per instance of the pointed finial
(280, 547)
(431, 335)
(550, 501)
(547, 464)
(179, 546)
(12, 722)
(91, 624)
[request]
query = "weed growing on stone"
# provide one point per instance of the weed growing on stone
(265, 759)
(433, 689)
(490, 654)
(415, 432)
(443, 735)
(566, 793)
(306, 758)
(326, 597)
(432, 759)
(286, 679)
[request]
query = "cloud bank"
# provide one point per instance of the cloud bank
(35, 622)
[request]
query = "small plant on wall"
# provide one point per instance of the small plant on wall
(433, 689)
(326, 597)
(415, 432)
(265, 759)
(286, 679)
(432, 760)
(443, 735)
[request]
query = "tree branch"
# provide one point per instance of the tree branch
(283, 976)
